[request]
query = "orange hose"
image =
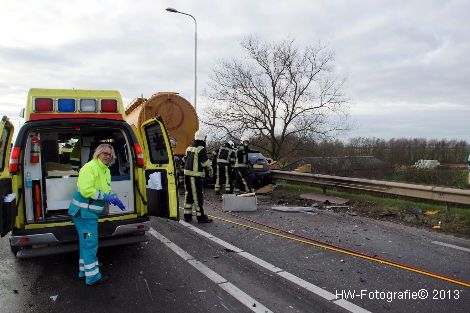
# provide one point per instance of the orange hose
(37, 201)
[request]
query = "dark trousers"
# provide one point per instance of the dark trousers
(193, 195)
(223, 177)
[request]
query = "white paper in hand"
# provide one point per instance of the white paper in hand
(155, 181)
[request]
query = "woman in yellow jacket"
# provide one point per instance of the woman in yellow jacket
(88, 202)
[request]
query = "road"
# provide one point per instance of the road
(227, 267)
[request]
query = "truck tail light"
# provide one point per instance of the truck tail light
(139, 154)
(14, 160)
(24, 240)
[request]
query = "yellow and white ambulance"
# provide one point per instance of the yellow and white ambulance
(39, 171)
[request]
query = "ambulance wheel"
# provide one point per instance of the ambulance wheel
(14, 250)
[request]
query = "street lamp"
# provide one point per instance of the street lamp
(195, 50)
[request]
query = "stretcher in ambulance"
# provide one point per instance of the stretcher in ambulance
(61, 131)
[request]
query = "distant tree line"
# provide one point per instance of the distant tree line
(396, 151)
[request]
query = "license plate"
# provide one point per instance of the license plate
(258, 166)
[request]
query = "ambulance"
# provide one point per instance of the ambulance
(39, 171)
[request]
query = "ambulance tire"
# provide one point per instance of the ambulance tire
(14, 250)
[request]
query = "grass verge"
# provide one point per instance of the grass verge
(454, 219)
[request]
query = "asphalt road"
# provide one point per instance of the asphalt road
(179, 270)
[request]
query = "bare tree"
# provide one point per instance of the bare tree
(275, 92)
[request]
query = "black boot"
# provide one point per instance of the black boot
(188, 218)
(204, 219)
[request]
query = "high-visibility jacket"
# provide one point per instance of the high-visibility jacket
(241, 159)
(196, 159)
(226, 154)
(94, 181)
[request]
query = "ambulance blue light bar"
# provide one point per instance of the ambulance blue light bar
(66, 105)
(87, 105)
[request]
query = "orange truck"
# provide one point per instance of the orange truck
(178, 114)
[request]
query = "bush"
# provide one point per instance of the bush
(448, 177)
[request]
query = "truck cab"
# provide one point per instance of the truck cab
(61, 131)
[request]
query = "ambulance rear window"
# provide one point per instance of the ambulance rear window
(156, 143)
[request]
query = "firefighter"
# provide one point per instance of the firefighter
(225, 158)
(196, 161)
(241, 167)
(88, 204)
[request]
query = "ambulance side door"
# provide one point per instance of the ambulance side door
(159, 170)
(7, 204)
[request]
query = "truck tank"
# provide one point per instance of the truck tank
(180, 118)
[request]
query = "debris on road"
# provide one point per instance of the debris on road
(292, 209)
(335, 207)
(438, 226)
(416, 211)
(53, 298)
(244, 202)
(324, 198)
(265, 190)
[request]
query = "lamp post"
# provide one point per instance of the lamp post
(195, 51)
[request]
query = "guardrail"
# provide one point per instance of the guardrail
(442, 194)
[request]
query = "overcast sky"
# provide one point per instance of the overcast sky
(407, 63)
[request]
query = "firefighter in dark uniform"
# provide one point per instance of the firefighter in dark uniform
(242, 173)
(196, 161)
(225, 159)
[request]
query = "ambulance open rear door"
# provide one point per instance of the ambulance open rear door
(8, 209)
(161, 189)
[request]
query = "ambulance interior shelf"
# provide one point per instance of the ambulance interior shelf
(54, 169)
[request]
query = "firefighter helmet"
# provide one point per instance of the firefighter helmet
(200, 135)
(244, 138)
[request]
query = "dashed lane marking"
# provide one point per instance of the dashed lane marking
(230, 288)
(280, 272)
(450, 246)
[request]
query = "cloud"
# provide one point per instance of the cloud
(401, 57)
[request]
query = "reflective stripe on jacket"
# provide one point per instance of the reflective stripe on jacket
(88, 208)
(196, 159)
(242, 156)
(94, 181)
(224, 155)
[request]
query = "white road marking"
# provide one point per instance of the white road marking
(231, 289)
(260, 262)
(286, 275)
(248, 301)
(306, 285)
(450, 246)
(350, 306)
(209, 236)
